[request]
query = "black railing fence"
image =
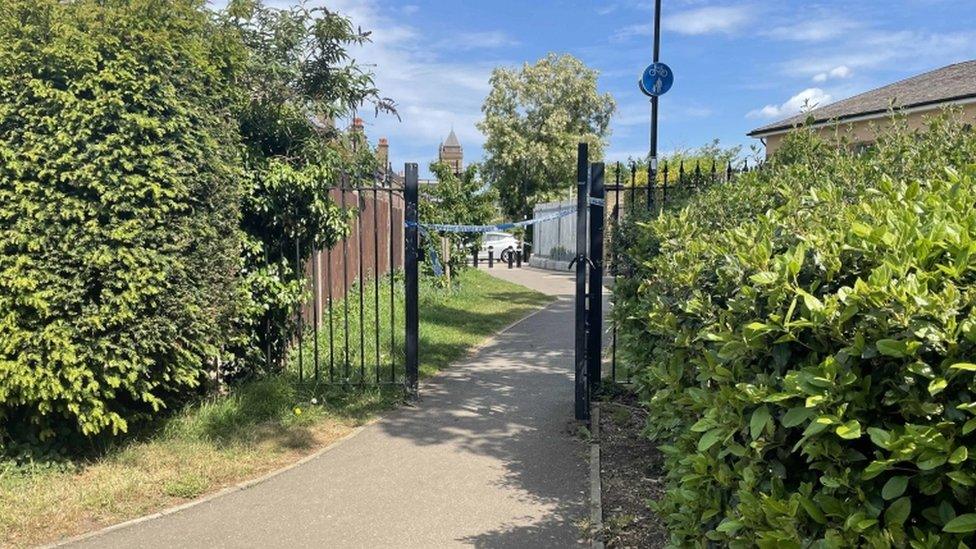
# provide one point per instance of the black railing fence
(359, 322)
(348, 330)
(626, 196)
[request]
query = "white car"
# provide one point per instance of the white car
(501, 245)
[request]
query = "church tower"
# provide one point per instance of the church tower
(452, 154)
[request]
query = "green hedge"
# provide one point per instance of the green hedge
(119, 216)
(805, 341)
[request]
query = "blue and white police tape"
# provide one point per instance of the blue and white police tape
(435, 262)
(447, 228)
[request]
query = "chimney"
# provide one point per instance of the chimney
(357, 125)
(383, 153)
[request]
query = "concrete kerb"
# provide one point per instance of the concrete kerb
(596, 488)
(272, 474)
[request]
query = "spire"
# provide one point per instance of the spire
(452, 140)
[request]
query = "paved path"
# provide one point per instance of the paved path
(487, 459)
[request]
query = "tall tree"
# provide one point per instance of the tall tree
(294, 77)
(458, 198)
(533, 119)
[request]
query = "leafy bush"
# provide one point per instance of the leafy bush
(804, 339)
(161, 164)
(118, 211)
(293, 75)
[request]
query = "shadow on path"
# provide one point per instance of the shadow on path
(488, 458)
(513, 404)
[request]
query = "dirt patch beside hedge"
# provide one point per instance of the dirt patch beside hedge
(631, 473)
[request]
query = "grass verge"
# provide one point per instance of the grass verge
(260, 427)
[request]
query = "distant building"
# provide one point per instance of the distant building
(917, 98)
(383, 154)
(451, 153)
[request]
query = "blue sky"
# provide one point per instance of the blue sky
(738, 65)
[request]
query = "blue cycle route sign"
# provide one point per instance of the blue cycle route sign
(656, 80)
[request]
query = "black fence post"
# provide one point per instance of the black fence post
(491, 257)
(651, 182)
(594, 347)
(511, 258)
(316, 300)
(411, 277)
(518, 258)
(300, 274)
(582, 389)
(633, 187)
(475, 253)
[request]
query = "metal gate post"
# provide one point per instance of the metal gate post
(594, 346)
(582, 388)
(411, 277)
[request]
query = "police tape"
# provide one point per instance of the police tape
(448, 228)
(425, 229)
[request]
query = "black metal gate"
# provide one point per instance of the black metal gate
(663, 187)
(348, 332)
(590, 207)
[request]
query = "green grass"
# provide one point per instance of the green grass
(258, 427)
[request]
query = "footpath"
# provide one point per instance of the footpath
(489, 457)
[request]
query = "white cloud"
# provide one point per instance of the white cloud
(842, 71)
(708, 20)
(698, 21)
(818, 29)
(872, 49)
(477, 41)
(633, 31)
(806, 100)
(433, 93)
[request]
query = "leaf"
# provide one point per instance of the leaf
(818, 426)
(931, 463)
(963, 524)
(811, 302)
(796, 416)
(960, 455)
(758, 422)
(946, 512)
(897, 512)
(894, 488)
(880, 437)
(937, 386)
(860, 229)
(969, 427)
(850, 430)
(728, 526)
(961, 478)
(891, 347)
(812, 510)
(731, 350)
(764, 278)
(964, 366)
(875, 468)
(709, 439)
